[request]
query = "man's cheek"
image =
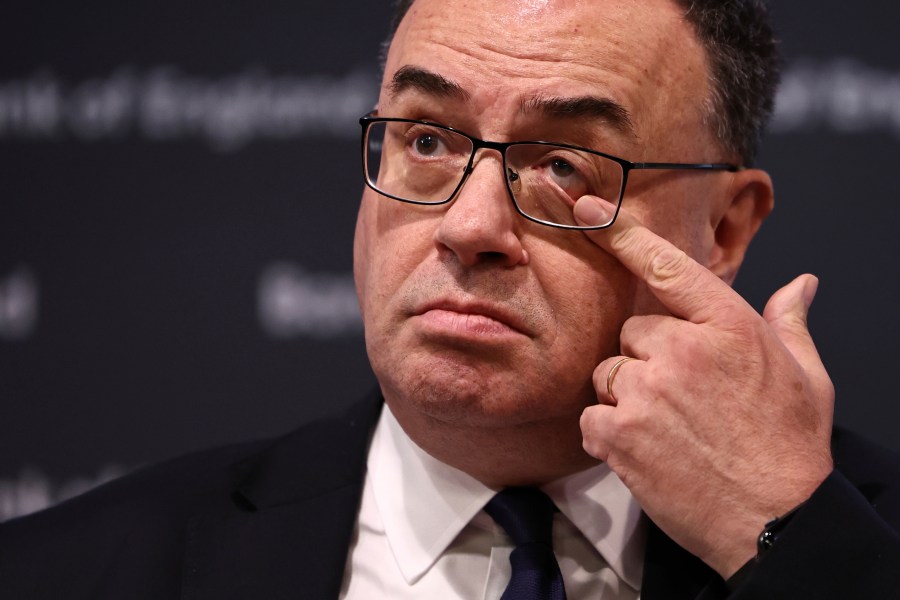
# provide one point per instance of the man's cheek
(645, 303)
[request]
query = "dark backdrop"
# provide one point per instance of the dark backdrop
(178, 186)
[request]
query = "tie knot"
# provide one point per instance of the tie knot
(526, 514)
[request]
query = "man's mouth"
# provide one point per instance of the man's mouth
(470, 319)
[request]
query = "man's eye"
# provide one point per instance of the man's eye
(426, 144)
(564, 174)
(561, 168)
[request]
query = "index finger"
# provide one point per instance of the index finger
(685, 287)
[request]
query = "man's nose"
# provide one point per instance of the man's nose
(481, 224)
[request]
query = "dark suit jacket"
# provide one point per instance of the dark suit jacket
(274, 520)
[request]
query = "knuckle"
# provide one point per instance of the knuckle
(634, 326)
(722, 308)
(594, 449)
(585, 422)
(793, 322)
(627, 428)
(592, 440)
(627, 239)
(667, 265)
(690, 347)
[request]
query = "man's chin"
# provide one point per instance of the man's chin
(487, 402)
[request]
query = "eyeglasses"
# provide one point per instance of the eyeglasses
(426, 163)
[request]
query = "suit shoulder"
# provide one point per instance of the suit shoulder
(169, 488)
(132, 526)
(174, 489)
(128, 538)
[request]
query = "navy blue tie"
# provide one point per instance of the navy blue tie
(526, 514)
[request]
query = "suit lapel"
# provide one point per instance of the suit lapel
(288, 527)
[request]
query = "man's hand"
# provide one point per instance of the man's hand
(724, 420)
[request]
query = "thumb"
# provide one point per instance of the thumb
(786, 312)
(788, 308)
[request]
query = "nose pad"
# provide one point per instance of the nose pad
(481, 224)
(515, 182)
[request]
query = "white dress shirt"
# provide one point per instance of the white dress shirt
(421, 532)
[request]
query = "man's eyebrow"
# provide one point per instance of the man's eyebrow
(411, 77)
(416, 78)
(582, 107)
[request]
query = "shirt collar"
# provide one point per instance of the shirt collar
(424, 504)
(603, 509)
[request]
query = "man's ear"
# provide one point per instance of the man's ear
(749, 201)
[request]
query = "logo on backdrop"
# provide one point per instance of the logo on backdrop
(163, 104)
(292, 302)
(18, 304)
(33, 490)
(843, 95)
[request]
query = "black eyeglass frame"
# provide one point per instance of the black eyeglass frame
(627, 166)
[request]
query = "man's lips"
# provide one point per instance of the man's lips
(474, 318)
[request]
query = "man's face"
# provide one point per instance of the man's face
(473, 315)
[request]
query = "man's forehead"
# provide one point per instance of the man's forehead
(604, 17)
(525, 11)
(557, 36)
(630, 55)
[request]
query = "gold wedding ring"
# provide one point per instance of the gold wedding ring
(612, 376)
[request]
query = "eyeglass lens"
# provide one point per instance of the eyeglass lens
(425, 164)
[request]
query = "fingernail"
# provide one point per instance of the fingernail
(592, 211)
(810, 289)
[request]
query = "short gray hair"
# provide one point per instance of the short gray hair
(744, 67)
